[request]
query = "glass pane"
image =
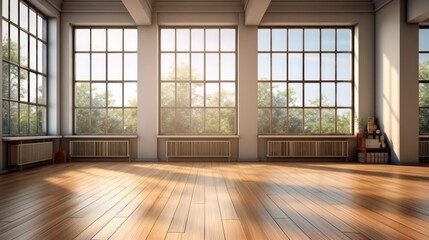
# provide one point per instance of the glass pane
(82, 95)
(114, 94)
(167, 121)
(295, 95)
(23, 15)
(295, 39)
(33, 87)
(42, 57)
(344, 66)
(183, 40)
(82, 66)
(264, 65)
(23, 49)
(312, 66)
(227, 94)
(82, 123)
(131, 39)
(197, 66)
(227, 66)
(328, 66)
(264, 121)
(114, 40)
(168, 39)
(13, 44)
(33, 23)
(98, 40)
(5, 39)
(423, 66)
(130, 66)
(42, 26)
(312, 121)
(295, 121)
(312, 94)
(279, 66)
(328, 121)
(98, 121)
(168, 66)
(168, 97)
(344, 40)
(114, 121)
(424, 121)
(212, 95)
(328, 94)
(264, 94)
(295, 66)
(344, 121)
(227, 121)
(344, 94)
(312, 39)
(82, 39)
(114, 66)
(130, 121)
(424, 94)
(23, 119)
(23, 88)
(424, 39)
(34, 56)
(41, 120)
(227, 40)
(183, 120)
(6, 116)
(42, 89)
(182, 95)
(182, 69)
(197, 120)
(197, 95)
(279, 95)
(212, 120)
(6, 80)
(33, 120)
(328, 39)
(212, 66)
(279, 39)
(264, 40)
(14, 11)
(279, 118)
(14, 82)
(98, 95)
(197, 39)
(5, 8)
(14, 118)
(212, 39)
(98, 66)
(130, 94)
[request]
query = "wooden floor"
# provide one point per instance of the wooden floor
(215, 201)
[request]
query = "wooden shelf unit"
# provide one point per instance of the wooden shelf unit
(367, 154)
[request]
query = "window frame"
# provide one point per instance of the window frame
(106, 81)
(423, 81)
(203, 81)
(303, 81)
(40, 70)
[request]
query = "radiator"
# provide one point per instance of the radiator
(423, 148)
(99, 149)
(307, 149)
(21, 154)
(213, 149)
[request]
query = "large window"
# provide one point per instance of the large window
(24, 44)
(305, 79)
(424, 80)
(198, 81)
(105, 80)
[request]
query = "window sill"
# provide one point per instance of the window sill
(197, 136)
(102, 136)
(307, 136)
(28, 138)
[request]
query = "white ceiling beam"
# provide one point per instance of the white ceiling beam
(417, 11)
(255, 10)
(140, 10)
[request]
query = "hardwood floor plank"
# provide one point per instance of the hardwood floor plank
(195, 225)
(233, 230)
(107, 231)
(291, 229)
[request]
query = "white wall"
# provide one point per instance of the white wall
(397, 81)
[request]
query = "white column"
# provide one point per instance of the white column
(247, 91)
